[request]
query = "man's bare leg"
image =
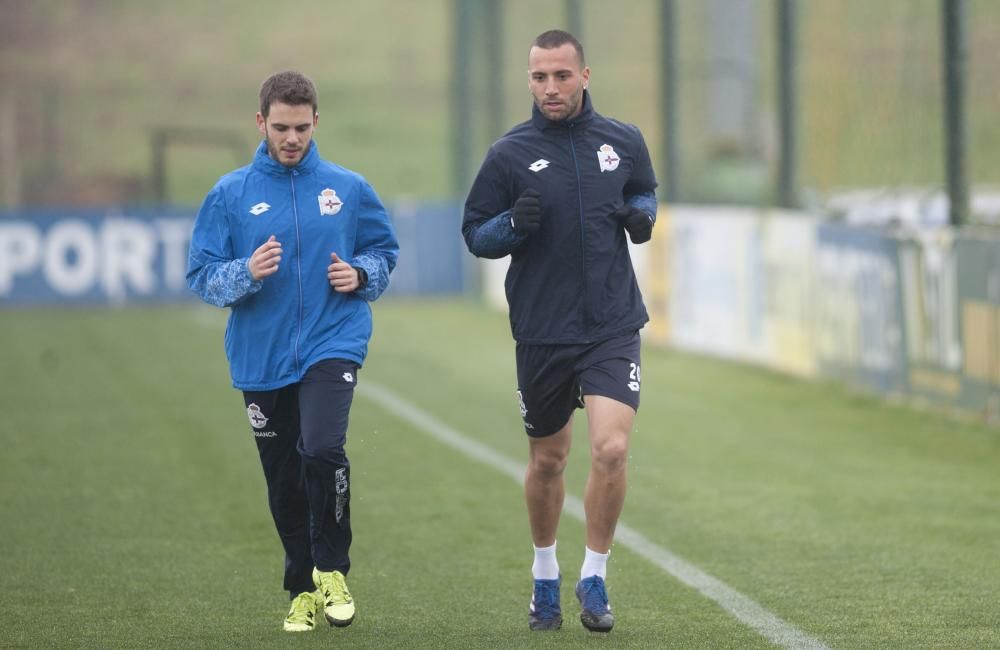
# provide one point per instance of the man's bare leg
(610, 430)
(544, 484)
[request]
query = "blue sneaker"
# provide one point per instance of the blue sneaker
(544, 612)
(596, 615)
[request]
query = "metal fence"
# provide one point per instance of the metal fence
(411, 96)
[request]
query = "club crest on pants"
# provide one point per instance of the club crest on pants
(257, 419)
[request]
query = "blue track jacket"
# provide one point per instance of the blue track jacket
(281, 325)
(571, 281)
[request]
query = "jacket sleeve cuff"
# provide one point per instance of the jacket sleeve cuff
(495, 238)
(645, 202)
(230, 282)
(377, 270)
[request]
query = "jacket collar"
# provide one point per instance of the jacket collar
(265, 163)
(541, 122)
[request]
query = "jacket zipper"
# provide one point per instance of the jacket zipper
(583, 236)
(298, 269)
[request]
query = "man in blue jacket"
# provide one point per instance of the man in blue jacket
(558, 193)
(297, 247)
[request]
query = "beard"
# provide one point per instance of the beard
(568, 108)
(275, 153)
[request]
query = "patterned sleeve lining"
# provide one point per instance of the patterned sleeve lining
(645, 202)
(494, 237)
(378, 275)
(229, 282)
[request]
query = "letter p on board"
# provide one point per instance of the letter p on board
(20, 248)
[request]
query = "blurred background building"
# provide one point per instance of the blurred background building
(829, 169)
(114, 102)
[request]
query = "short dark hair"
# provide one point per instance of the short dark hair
(556, 38)
(288, 87)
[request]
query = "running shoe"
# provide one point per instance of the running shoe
(596, 615)
(338, 606)
(544, 612)
(302, 616)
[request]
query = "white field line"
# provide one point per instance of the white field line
(743, 608)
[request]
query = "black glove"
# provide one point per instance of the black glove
(526, 216)
(638, 224)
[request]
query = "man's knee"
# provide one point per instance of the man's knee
(550, 462)
(328, 454)
(548, 457)
(610, 454)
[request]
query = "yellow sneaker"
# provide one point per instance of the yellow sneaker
(338, 606)
(302, 616)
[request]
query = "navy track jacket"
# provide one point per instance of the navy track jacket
(571, 281)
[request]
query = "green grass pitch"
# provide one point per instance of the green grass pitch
(133, 511)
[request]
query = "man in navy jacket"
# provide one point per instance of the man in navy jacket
(296, 247)
(558, 193)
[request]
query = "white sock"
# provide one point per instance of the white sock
(594, 564)
(545, 566)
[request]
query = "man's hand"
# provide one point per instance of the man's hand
(264, 261)
(343, 277)
(638, 224)
(526, 216)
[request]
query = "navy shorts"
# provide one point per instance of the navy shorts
(552, 379)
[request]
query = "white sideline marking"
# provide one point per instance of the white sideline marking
(743, 608)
